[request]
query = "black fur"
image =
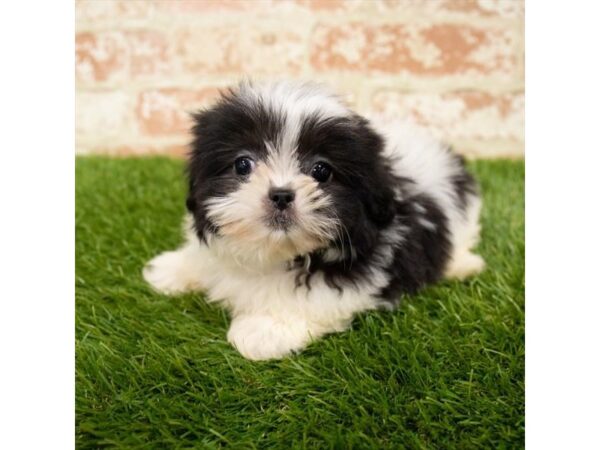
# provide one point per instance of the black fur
(362, 190)
(422, 257)
(464, 184)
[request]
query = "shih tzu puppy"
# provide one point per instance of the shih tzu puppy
(302, 214)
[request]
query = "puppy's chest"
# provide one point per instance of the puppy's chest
(227, 281)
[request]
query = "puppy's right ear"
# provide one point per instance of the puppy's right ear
(380, 204)
(191, 204)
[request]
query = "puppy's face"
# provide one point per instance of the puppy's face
(282, 171)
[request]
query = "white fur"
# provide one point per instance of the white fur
(463, 262)
(296, 101)
(246, 270)
(270, 315)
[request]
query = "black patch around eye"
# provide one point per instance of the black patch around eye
(321, 172)
(243, 165)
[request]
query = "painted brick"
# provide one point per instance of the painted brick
(430, 50)
(263, 7)
(100, 57)
(486, 8)
(109, 10)
(112, 10)
(457, 115)
(103, 113)
(453, 65)
(149, 54)
(439, 8)
(167, 111)
(273, 49)
(207, 6)
(121, 55)
(330, 5)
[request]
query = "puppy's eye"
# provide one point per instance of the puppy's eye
(321, 172)
(243, 165)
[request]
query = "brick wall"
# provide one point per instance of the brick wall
(455, 66)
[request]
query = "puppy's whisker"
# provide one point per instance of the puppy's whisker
(350, 245)
(344, 230)
(343, 246)
(339, 238)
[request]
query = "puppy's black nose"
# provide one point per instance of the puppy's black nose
(281, 197)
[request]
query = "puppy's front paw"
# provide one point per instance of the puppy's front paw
(265, 337)
(168, 273)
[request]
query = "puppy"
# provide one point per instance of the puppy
(302, 214)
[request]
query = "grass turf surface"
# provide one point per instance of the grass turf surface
(445, 370)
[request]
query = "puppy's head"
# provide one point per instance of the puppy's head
(282, 170)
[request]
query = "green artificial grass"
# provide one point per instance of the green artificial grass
(445, 370)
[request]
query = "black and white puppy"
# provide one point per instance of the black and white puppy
(302, 215)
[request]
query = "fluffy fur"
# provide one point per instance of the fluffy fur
(398, 212)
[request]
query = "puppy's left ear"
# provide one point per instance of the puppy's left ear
(377, 179)
(380, 205)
